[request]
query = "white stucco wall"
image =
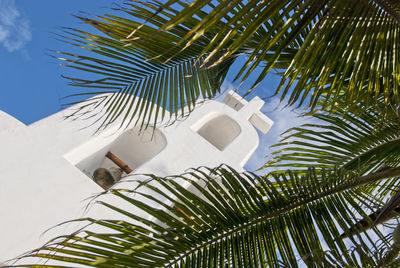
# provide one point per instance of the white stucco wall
(8, 122)
(43, 165)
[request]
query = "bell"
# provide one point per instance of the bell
(107, 177)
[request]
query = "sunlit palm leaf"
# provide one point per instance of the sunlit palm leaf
(362, 141)
(341, 42)
(380, 256)
(138, 82)
(234, 220)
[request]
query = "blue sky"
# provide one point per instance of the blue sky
(31, 82)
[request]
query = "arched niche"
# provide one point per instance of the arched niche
(220, 131)
(133, 147)
(136, 147)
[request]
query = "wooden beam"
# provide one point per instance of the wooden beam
(119, 162)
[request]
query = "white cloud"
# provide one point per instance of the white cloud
(14, 28)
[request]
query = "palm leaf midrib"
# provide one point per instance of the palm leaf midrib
(389, 9)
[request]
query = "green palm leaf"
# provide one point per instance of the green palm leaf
(343, 45)
(362, 138)
(225, 218)
(362, 257)
(140, 86)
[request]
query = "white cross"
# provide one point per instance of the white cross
(249, 110)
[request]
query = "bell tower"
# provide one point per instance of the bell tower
(64, 163)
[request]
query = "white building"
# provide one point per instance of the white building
(47, 167)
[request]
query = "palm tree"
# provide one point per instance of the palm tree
(339, 58)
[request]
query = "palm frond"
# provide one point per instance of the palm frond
(379, 256)
(343, 45)
(224, 218)
(363, 140)
(140, 86)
